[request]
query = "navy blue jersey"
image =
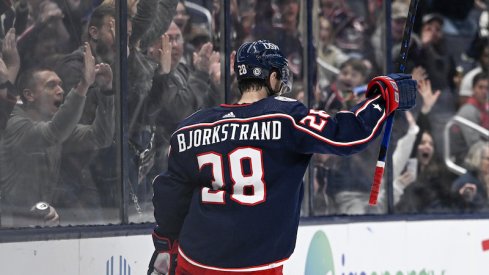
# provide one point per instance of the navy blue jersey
(233, 190)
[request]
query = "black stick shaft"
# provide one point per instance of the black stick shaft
(379, 169)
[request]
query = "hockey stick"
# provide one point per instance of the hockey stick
(379, 169)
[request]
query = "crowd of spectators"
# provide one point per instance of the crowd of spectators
(59, 130)
(447, 55)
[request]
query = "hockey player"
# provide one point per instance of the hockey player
(230, 200)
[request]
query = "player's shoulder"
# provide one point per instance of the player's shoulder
(199, 116)
(282, 102)
(266, 106)
(286, 105)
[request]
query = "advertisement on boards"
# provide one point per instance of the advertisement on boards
(392, 248)
(380, 248)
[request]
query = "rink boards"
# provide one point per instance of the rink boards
(368, 248)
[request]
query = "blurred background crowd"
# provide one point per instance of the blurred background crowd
(84, 128)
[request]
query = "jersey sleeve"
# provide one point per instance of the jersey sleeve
(345, 133)
(171, 199)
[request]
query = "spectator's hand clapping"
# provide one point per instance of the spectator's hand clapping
(215, 68)
(10, 55)
(103, 76)
(202, 59)
(88, 76)
(165, 55)
(429, 98)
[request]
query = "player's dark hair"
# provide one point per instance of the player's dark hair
(251, 84)
(256, 83)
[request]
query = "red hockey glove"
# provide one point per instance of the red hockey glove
(164, 259)
(398, 91)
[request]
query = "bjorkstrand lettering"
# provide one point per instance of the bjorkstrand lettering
(262, 130)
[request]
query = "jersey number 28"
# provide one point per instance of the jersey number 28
(254, 180)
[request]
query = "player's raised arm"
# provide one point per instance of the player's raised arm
(348, 132)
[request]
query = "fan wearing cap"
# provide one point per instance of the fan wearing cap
(230, 200)
(399, 16)
(434, 55)
(432, 28)
(439, 63)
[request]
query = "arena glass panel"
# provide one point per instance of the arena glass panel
(154, 107)
(59, 149)
(283, 23)
(440, 161)
(344, 63)
(84, 186)
(437, 159)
